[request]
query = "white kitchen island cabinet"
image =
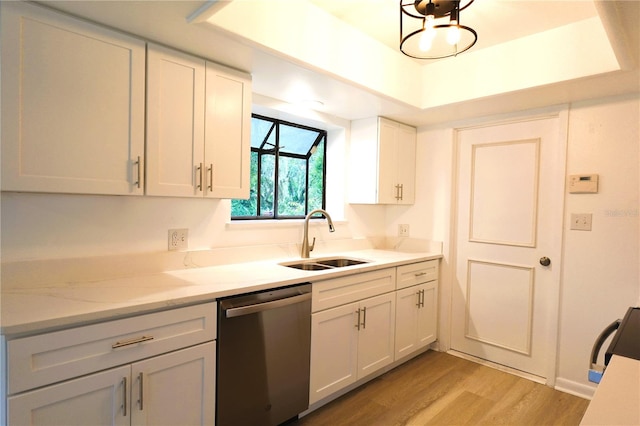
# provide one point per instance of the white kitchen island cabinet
(383, 162)
(72, 105)
(352, 340)
(416, 307)
(198, 127)
(157, 368)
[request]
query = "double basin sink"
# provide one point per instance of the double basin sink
(324, 263)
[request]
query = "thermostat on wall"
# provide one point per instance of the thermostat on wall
(583, 184)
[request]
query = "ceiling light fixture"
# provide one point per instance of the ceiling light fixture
(425, 32)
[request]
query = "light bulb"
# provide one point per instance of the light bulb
(453, 35)
(425, 41)
(428, 34)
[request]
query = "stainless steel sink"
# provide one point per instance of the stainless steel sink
(324, 263)
(341, 262)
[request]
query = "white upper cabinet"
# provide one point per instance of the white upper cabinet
(175, 123)
(382, 162)
(227, 132)
(198, 127)
(72, 105)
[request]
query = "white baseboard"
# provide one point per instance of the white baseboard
(575, 388)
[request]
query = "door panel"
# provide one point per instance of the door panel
(504, 185)
(509, 214)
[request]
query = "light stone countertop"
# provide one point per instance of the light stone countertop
(31, 309)
(617, 397)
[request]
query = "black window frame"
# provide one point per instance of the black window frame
(268, 148)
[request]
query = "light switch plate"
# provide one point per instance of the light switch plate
(581, 221)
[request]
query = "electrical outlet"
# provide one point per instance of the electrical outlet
(178, 239)
(403, 230)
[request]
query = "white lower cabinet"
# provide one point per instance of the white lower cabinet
(177, 388)
(416, 318)
(97, 399)
(350, 342)
(172, 389)
(365, 322)
(153, 369)
(417, 307)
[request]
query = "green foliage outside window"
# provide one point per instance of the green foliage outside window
(287, 171)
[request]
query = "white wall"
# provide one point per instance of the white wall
(600, 268)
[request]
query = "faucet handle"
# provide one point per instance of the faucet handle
(313, 244)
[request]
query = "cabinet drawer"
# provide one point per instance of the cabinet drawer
(417, 273)
(48, 358)
(338, 291)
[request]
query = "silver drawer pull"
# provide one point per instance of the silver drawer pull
(419, 274)
(131, 341)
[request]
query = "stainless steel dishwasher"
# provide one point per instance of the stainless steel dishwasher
(264, 343)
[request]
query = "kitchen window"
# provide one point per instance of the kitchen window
(288, 171)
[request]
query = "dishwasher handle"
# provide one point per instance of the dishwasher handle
(272, 304)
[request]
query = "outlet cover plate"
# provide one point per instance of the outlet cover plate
(581, 221)
(403, 230)
(178, 239)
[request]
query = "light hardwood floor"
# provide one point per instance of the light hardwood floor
(436, 388)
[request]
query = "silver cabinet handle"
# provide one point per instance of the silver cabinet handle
(401, 191)
(139, 174)
(418, 294)
(397, 197)
(422, 298)
(358, 321)
(364, 317)
(124, 396)
(141, 391)
(210, 170)
(200, 175)
(133, 341)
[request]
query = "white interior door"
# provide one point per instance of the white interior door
(509, 216)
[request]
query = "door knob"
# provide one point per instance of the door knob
(545, 261)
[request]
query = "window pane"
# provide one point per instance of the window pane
(267, 184)
(316, 177)
(292, 177)
(259, 130)
(295, 140)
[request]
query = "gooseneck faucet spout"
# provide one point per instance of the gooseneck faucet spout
(306, 248)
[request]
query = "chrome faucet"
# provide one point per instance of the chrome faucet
(306, 248)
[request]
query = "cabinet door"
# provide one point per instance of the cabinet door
(388, 184)
(406, 166)
(175, 123)
(428, 314)
(97, 399)
(376, 335)
(334, 345)
(72, 105)
(227, 133)
(407, 303)
(175, 389)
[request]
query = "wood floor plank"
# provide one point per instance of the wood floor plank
(440, 389)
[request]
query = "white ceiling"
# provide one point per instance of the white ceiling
(496, 21)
